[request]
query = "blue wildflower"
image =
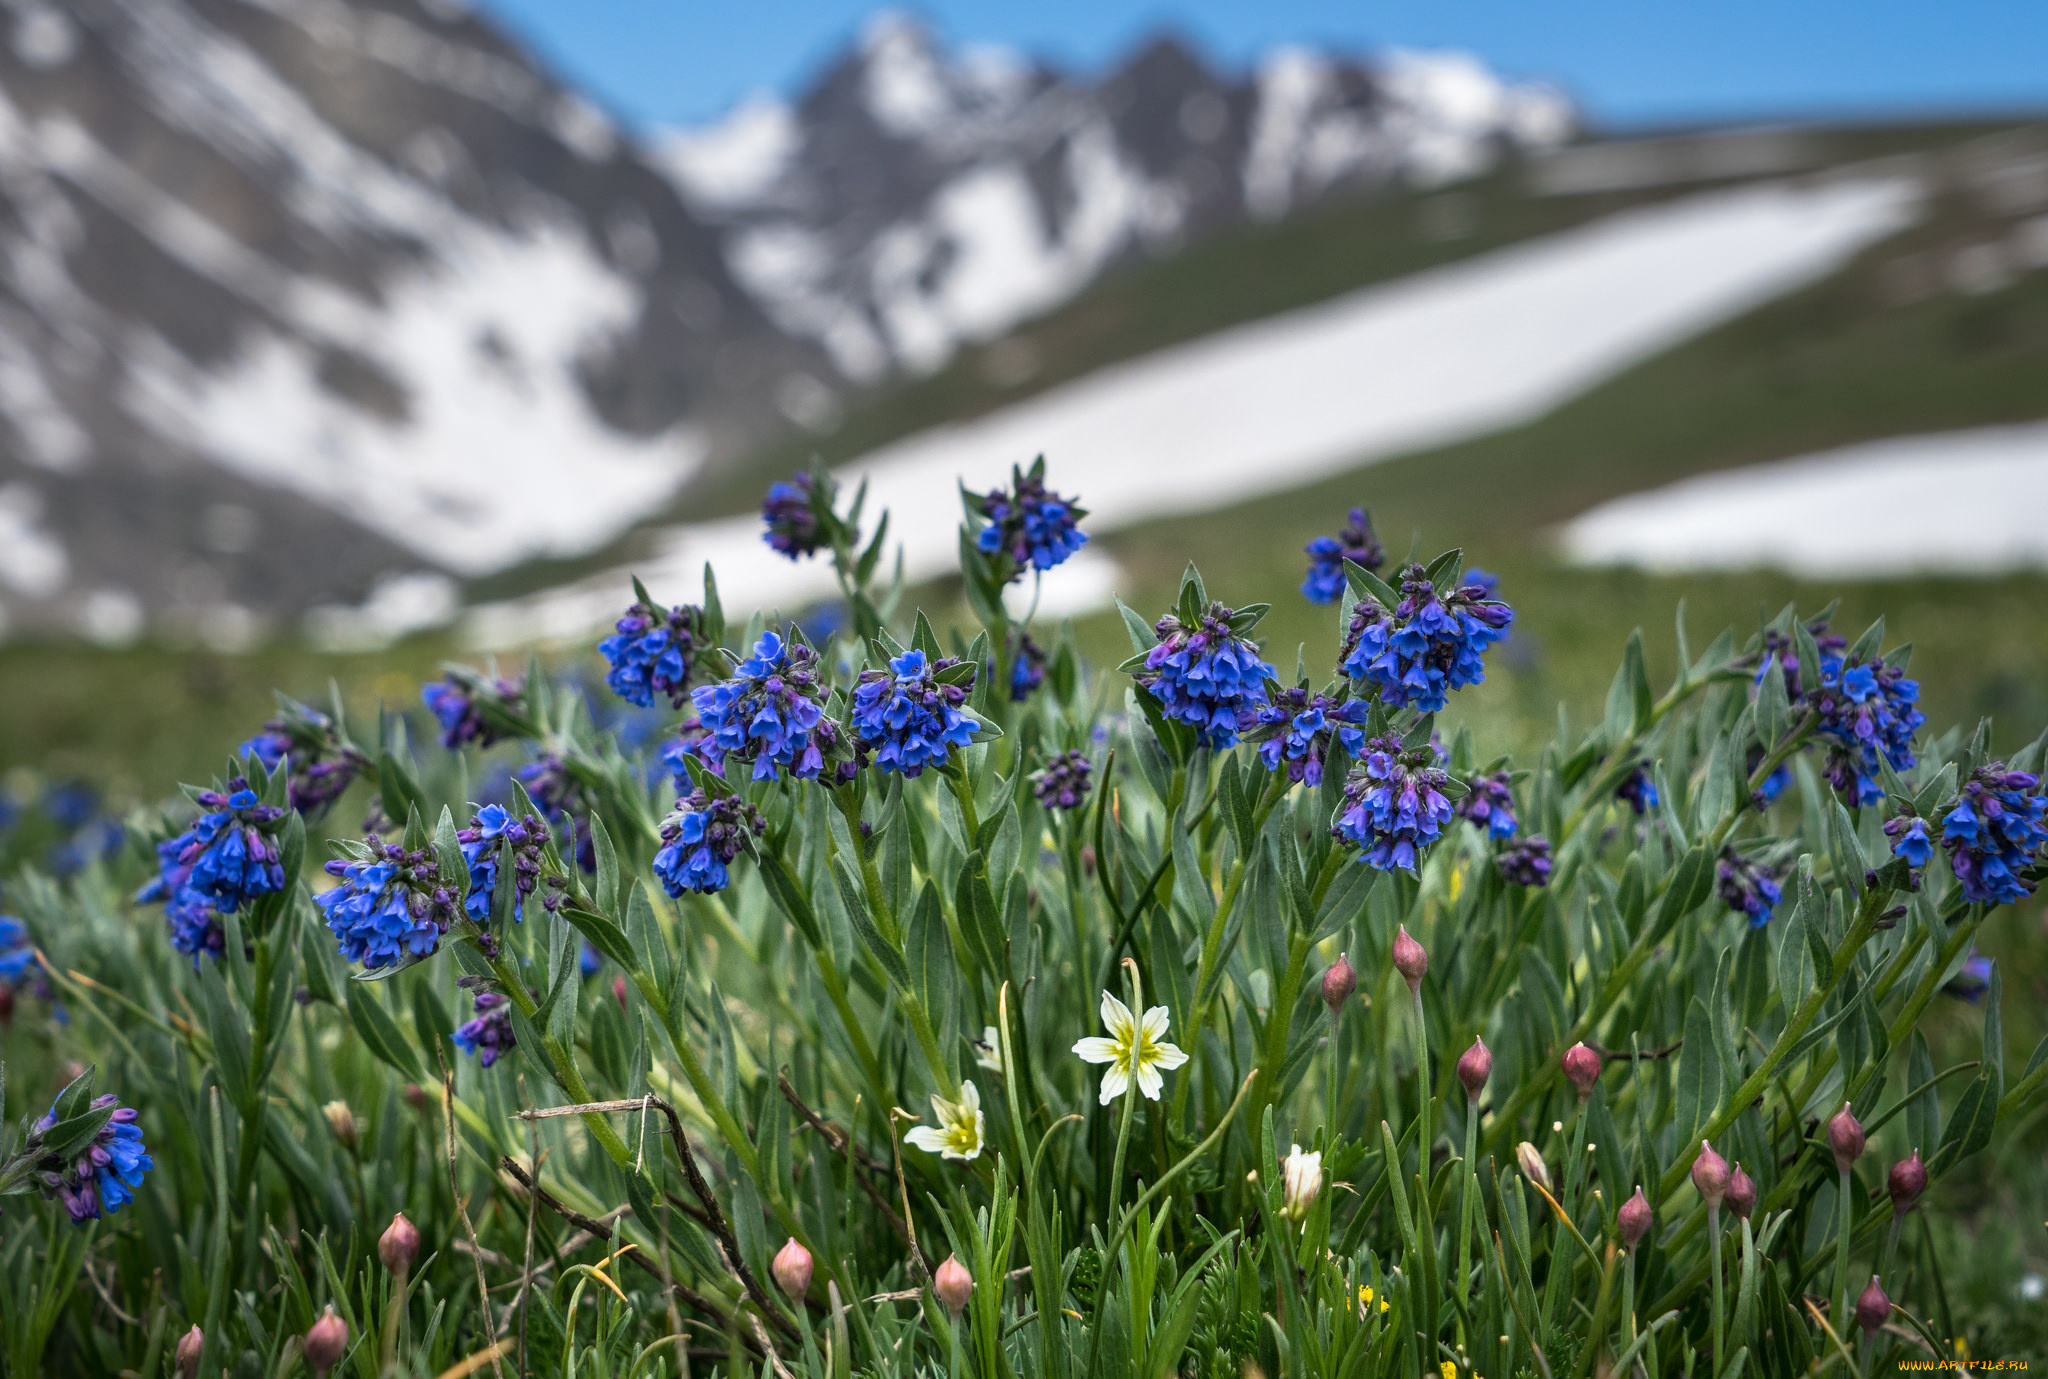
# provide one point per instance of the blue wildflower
(590, 962)
(472, 708)
(1297, 730)
(196, 928)
(1062, 783)
(488, 1033)
(1027, 668)
(70, 806)
(1426, 645)
(1207, 675)
(791, 512)
(770, 713)
(1029, 523)
(653, 652)
(493, 835)
(700, 838)
(1327, 554)
(909, 716)
(18, 961)
(1908, 833)
(1638, 789)
(227, 856)
(1865, 712)
(688, 743)
(1994, 832)
(1394, 804)
(306, 742)
(391, 906)
(1526, 861)
(1491, 804)
(1773, 785)
(1783, 648)
(1748, 886)
(1475, 578)
(1972, 980)
(102, 1177)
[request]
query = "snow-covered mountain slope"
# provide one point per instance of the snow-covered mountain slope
(914, 199)
(297, 296)
(1479, 346)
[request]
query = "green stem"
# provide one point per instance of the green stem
(1714, 1248)
(1468, 1198)
(1279, 1021)
(562, 1060)
(1845, 1223)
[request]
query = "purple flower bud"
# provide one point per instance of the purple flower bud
(1845, 1137)
(1741, 1193)
(1581, 1069)
(792, 1269)
(1906, 1181)
(1873, 1309)
(189, 1346)
(1710, 1175)
(1633, 1221)
(1339, 981)
(325, 1341)
(399, 1246)
(1410, 960)
(953, 1285)
(1475, 1065)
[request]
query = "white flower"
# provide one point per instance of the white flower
(960, 1127)
(1134, 1049)
(988, 1050)
(1301, 1178)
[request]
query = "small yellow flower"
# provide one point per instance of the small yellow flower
(1134, 1049)
(960, 1127)
(1365, 1296)
(1448, 1368)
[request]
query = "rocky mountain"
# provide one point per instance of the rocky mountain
(311, 309)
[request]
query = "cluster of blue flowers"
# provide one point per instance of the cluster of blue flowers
(653, 652)
(1638, 789)
(1394, 804)
(1773, 785)
(1427, 644)
(553, 787)
(1027, 668)
(1035, 527)
(391, 905)
(304, 741)
(494, 836)
(700, 838)
(17, 953)
(227, 858)
(467, 707)
(1062, 783)
(1866, 714)
(1526, 861)
(685, 746)
(1994, 833)
(1491, 804)
(1971, 980)
(102, 1177)
(1296, 730)
(487, 1034)
(770, 713)
(1327, 554)
(1748, 886)
(1208, 676)
(793, 526)
(909, 715)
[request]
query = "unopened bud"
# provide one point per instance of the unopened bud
(1581, 1069)
(1475, 1065)
(189, 1346)
(1410, 960)
(341, 1122)
(1710, 1175)
(1873, 1309)
(792, 1269)
(619, 990)
(1634, 1219)
(1906, 1181)
(1741, 1193)
(325, 1341)
(1532, 1165)
(417, 1098)
(1301, 1178)
(1845, 1137)
(953, 1285)
(399, 1246)
(1339, 981)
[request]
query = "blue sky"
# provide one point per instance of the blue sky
(1644, 61)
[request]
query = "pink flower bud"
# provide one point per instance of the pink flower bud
(1410, 960)
(1845, 1137)
(619, 990)
(400, 1244)
(1741, 1193)
(189, 1346)
(325, 1341)
(792, 1269)
(1906, 1181)
(1531, 1162)
(1475, 1065)
(1634, 1218)
(1339, 981)
(1710, 1175)
(1873, 1309)
(1581, 1069)
(952, 1283)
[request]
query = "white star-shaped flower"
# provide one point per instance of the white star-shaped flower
(1134, 1048)
(988, 1050)
(958, 1134)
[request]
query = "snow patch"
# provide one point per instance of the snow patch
(901, 83)
(735, 162)
(1965, 502)
(32, 561)
(397, 607)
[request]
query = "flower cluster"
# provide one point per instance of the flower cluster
(322, 766)
(1063, 782)
(553, 787)
(1296, 730)
(1327, 554)
(1908, 833)
(1526, 861)
(1426, 645)
(1027, 668)
(769, 713)
(1035, 527)
(1865, 712)
(391, 906)
(471, 708)
(102, 1177)
(493, 837)
(1783, 648)
(699, 838)
(1748, 886)
(17, 952)
(1993, 833)
(226, 858)
(1491, 805)
(1207, 675)
(909, 716)
(1971, 980)
(688, 743)
(1394, 804)
(791, 513)
(1638, 789)
(488, 1033)
(653, 652)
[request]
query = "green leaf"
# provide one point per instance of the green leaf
(380, 1033)
(1443, 571)
(604, 934)
(884, 952)
(1994, 1029)
(1643, 699)
(448, 852)
(1143, 639)
(607, 865)
(1923, 1114)
(1773, 708)
(1969, 1124)
(1365, 584)
(1870, 643)
(1699, 1072)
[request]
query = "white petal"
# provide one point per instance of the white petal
(924, 1137)
(1114, 1084)
(1149, 1082)
(1097, 1050)
(970, 1100)
(1116, 1018)
(1167, 1056)
(1155, 1023)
